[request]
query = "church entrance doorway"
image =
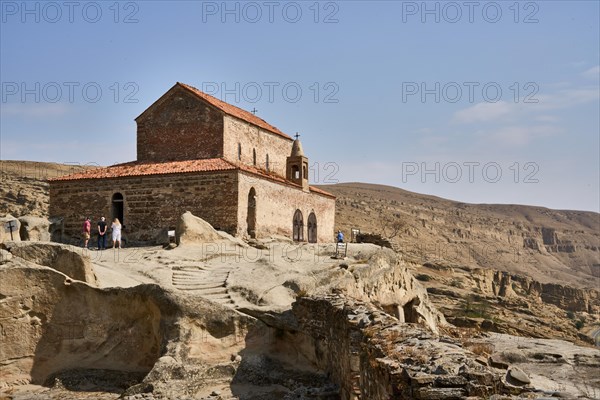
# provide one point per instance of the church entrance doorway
(118, 208)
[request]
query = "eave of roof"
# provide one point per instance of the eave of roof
(135, 168)
(142, 169)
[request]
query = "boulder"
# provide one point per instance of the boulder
(496, 361)
(35, 229)
(5, 256)
(5, 235)
(516, 376)
(192, 229)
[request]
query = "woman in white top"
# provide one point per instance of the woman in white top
(116, 233)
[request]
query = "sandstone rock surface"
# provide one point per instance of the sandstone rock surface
(192, 229)
(70, 260)
(36, 229)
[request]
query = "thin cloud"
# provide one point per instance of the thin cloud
(518, 136)
(568, 98)
(592, 73)
(35, 110)
(483, 112)
(547, 118)
(503, 111)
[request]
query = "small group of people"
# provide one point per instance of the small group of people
(102, 232)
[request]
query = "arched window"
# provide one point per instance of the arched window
(267, 162)
(298, 227)
(240, 151)
(312, 228)
(304, 172)
(295, 172)
(251, 217)
(254, 156)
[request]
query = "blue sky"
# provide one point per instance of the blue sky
(481, 102)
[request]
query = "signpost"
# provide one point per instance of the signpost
(11, 226)
(341, 250)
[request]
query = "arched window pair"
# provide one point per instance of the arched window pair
(298, 227)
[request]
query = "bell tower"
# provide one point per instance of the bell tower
(297, 165)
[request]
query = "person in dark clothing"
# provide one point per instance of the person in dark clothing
(102, 226)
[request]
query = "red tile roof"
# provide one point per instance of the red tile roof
(234, 111)
(139, 169)
(135, 168)
(321, 191)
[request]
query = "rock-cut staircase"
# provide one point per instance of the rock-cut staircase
(205, 281)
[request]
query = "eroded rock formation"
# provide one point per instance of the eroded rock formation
(70, 260)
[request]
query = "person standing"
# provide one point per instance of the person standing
(85, 231)
(116, 233)
(102, 227)
(340, 237)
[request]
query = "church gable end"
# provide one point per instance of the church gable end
(179, 126)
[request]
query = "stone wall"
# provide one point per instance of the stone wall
(151, 203)
(275, 207)
(251, 138)
(179, 127)
(154, 203)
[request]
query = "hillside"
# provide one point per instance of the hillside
(550, 246)
(24, 189)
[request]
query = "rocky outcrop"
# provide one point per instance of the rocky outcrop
(503, 284)
(70, 260)
(56, 328)
(36, 229)
(192, 229)
(387, 283)
(52, 324)
(370, 355)
(374, 238)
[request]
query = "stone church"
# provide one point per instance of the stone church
(197, 153)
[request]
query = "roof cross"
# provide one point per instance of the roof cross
(254, 111)
(296, 135)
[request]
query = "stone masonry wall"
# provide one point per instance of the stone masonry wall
(179, 127)
(253, 138)
(275, 207)
(152, 203)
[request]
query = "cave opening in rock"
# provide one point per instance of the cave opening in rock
(410, 311)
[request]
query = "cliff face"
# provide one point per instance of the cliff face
(551, 246)
(498, 301)
(504, 284)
